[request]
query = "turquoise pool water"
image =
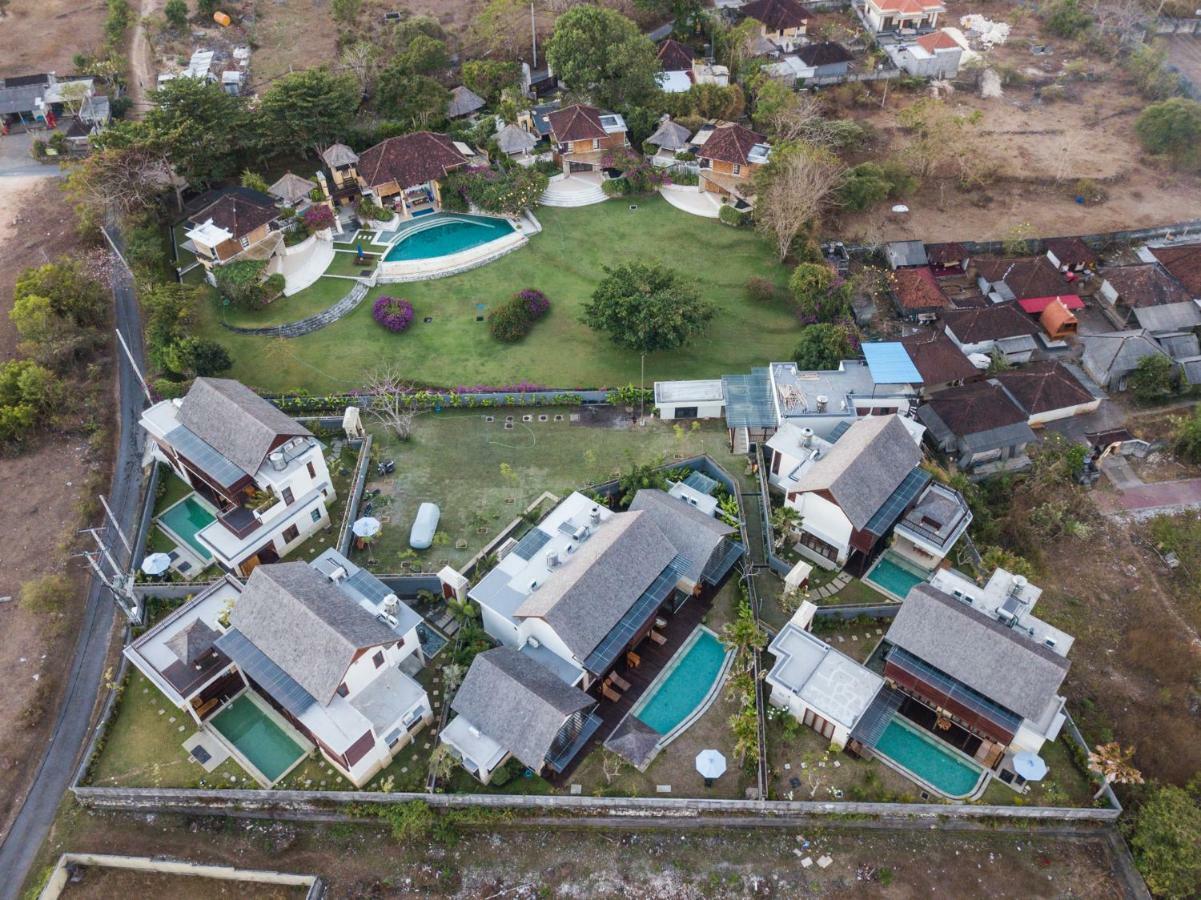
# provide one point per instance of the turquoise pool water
(444, 236)
(186, 518)
(257, 737)
(690, 679)
(922, 755)
(895, 579)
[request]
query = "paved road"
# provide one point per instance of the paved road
(58, 764)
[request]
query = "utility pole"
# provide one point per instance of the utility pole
(133, 365)
(116, 526)
(119, 583)
(534, 34)
(642, 391)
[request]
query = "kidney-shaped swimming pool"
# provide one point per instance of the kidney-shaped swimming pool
(443, 234)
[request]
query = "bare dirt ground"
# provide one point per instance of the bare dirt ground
(43, 35)
(39, 491)
(527, 862)
(104, 884)
(1184, 52)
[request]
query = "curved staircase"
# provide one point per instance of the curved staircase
(574, 190)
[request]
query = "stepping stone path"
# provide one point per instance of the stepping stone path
(841, 580)
(339, 310)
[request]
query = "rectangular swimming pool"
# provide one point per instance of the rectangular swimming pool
(923, 756)
(894, 578)
(185, 519)
(688, 679)
(257, 737)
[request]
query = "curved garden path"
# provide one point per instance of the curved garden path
(342, 308)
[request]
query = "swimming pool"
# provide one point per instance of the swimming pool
(257, 737)
(895, 579)
(443, 235)
(924, 757)
(184, 520)
(684, 684)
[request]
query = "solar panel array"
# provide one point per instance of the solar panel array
(955, 690)
(643, 608)
(213, 464)
(699, 481)
(887, 515)
(534, 540)
(368, 586)
(260, 669)
(839, 430)
(721, 563)
(749, 402)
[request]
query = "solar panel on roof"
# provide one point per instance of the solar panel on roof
(749, 402)
(264, 672)
(636, 616)
(368, 586)
(197, 452)
(839, 430)
(887, 515)
(534, 540)
(699, 481)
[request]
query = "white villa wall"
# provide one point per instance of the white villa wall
(499, 627)
(363, 671)
(1066, 412)
(824, 520)
(708, 410)
(786, 699)
(920, 555)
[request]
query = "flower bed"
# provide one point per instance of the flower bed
(394, 313)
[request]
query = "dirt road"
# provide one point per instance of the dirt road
(142, 73)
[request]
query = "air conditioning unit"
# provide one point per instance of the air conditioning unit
(822, 402)
(552, 559)
(391, 605)
(533, 642)
(338, 574)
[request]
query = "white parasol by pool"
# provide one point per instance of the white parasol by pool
(710, 763)
(1030, 766)
(366, 527)
(156, 563)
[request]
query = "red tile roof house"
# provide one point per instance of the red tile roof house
(939, 361)
(1070, 254)
(916, 294)
(581, 135)
(1184, 264)
(933, 55)
(234, 226)
(1002, 328)
(1127, 288)
(674, 56)
(1048, 391)
(729, 159)
(782, 22)
(1019, 279)
(894, 15)
(405, 172)
(980, 426)
(948, 259)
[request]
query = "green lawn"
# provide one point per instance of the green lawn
(454, 459)
(565, 261)
(320, 295)
(348, 264)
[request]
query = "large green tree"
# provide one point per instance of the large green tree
(207, 132)
(490, 77)
(414, 101)
(687, 14)
(601, 53)
(1167, 842)
(647, 307)
(1172, 128)
(312, 108)
(822, 346)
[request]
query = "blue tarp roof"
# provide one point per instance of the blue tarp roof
(889, 363)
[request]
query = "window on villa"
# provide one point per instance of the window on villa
(686, 412)
(245, 242)
(596, 143)
(290, 534)
(378, 659)
(343, 690)
(737, 169)
(312, 470)
(289, 497)
(316, 514)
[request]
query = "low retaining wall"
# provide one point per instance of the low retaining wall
(268, 803)
(357, 484)
(61, 874)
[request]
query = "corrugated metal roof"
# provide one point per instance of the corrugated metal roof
(889, 363)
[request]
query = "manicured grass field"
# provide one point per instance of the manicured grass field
(348, 264)
(565, 261)
(321, 294)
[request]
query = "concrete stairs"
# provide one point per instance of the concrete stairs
(573, 191)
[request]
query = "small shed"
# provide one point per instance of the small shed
(669, 137)
(514, 141)
(948, 258)
(1070, 254)
(1058, 321)
(901, 254)
(463, 102)
(703, 399)
(826, 58)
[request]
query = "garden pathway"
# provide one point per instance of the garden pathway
(339, 310)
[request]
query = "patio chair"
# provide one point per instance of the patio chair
(633, 660)
(660, 622)
(619, 681)
(608, 693)
(657, 638)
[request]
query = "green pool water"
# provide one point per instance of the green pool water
(445, 236)
(897, 580)
(689, 680)
(257, 737)
(933, 763)
(186, 518)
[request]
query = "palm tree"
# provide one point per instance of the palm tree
(442, 765)
(1113, 763)
(462, 611)
(452, 675)
(784, 520)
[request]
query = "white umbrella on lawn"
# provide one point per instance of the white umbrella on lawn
(711, 764)
(156, 563)
(366, 527)
(1030, 766)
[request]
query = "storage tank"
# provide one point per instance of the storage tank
(221, 19)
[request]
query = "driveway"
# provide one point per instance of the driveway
(15, 159)
(1146, 500)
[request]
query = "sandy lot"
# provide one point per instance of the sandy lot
(43, 35)
(38, 494)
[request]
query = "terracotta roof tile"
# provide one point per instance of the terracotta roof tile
(674, 56)
(1071, 251)
(777, 14)
(1184, 263)
(917, 288)
(937, 358)
(239, 213)
(1031, 276)
(730, 143)
(977, 407)
(989, 323)
(576, 123)
(937, 40)
(410, 159)
(1145, 285)
(1044, 386)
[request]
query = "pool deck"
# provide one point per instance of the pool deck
(654, 659)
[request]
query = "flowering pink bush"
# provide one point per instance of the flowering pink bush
(535, 302)
(394, 313)
(318, 217)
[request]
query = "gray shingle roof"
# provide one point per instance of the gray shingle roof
(235, 421)
(1169, 317)
(291, 187)
(670, 136)
(517, 702)
(463, 102)
(694, 535)
(867, 464)
(512, 139)
(606, 576)
(1111, 355)
(192, 642)
(308, 628)
(998, 662)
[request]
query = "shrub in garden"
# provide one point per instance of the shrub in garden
(728, 215)
(760, 289)
(394, 313)
(510, 321)
(535, 302)
(319, 217)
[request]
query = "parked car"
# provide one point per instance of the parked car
(421, 535)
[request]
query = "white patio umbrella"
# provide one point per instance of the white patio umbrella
(1030, 766)
(156, 564)
(366, 527)
(710, 763)
(900, 209)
